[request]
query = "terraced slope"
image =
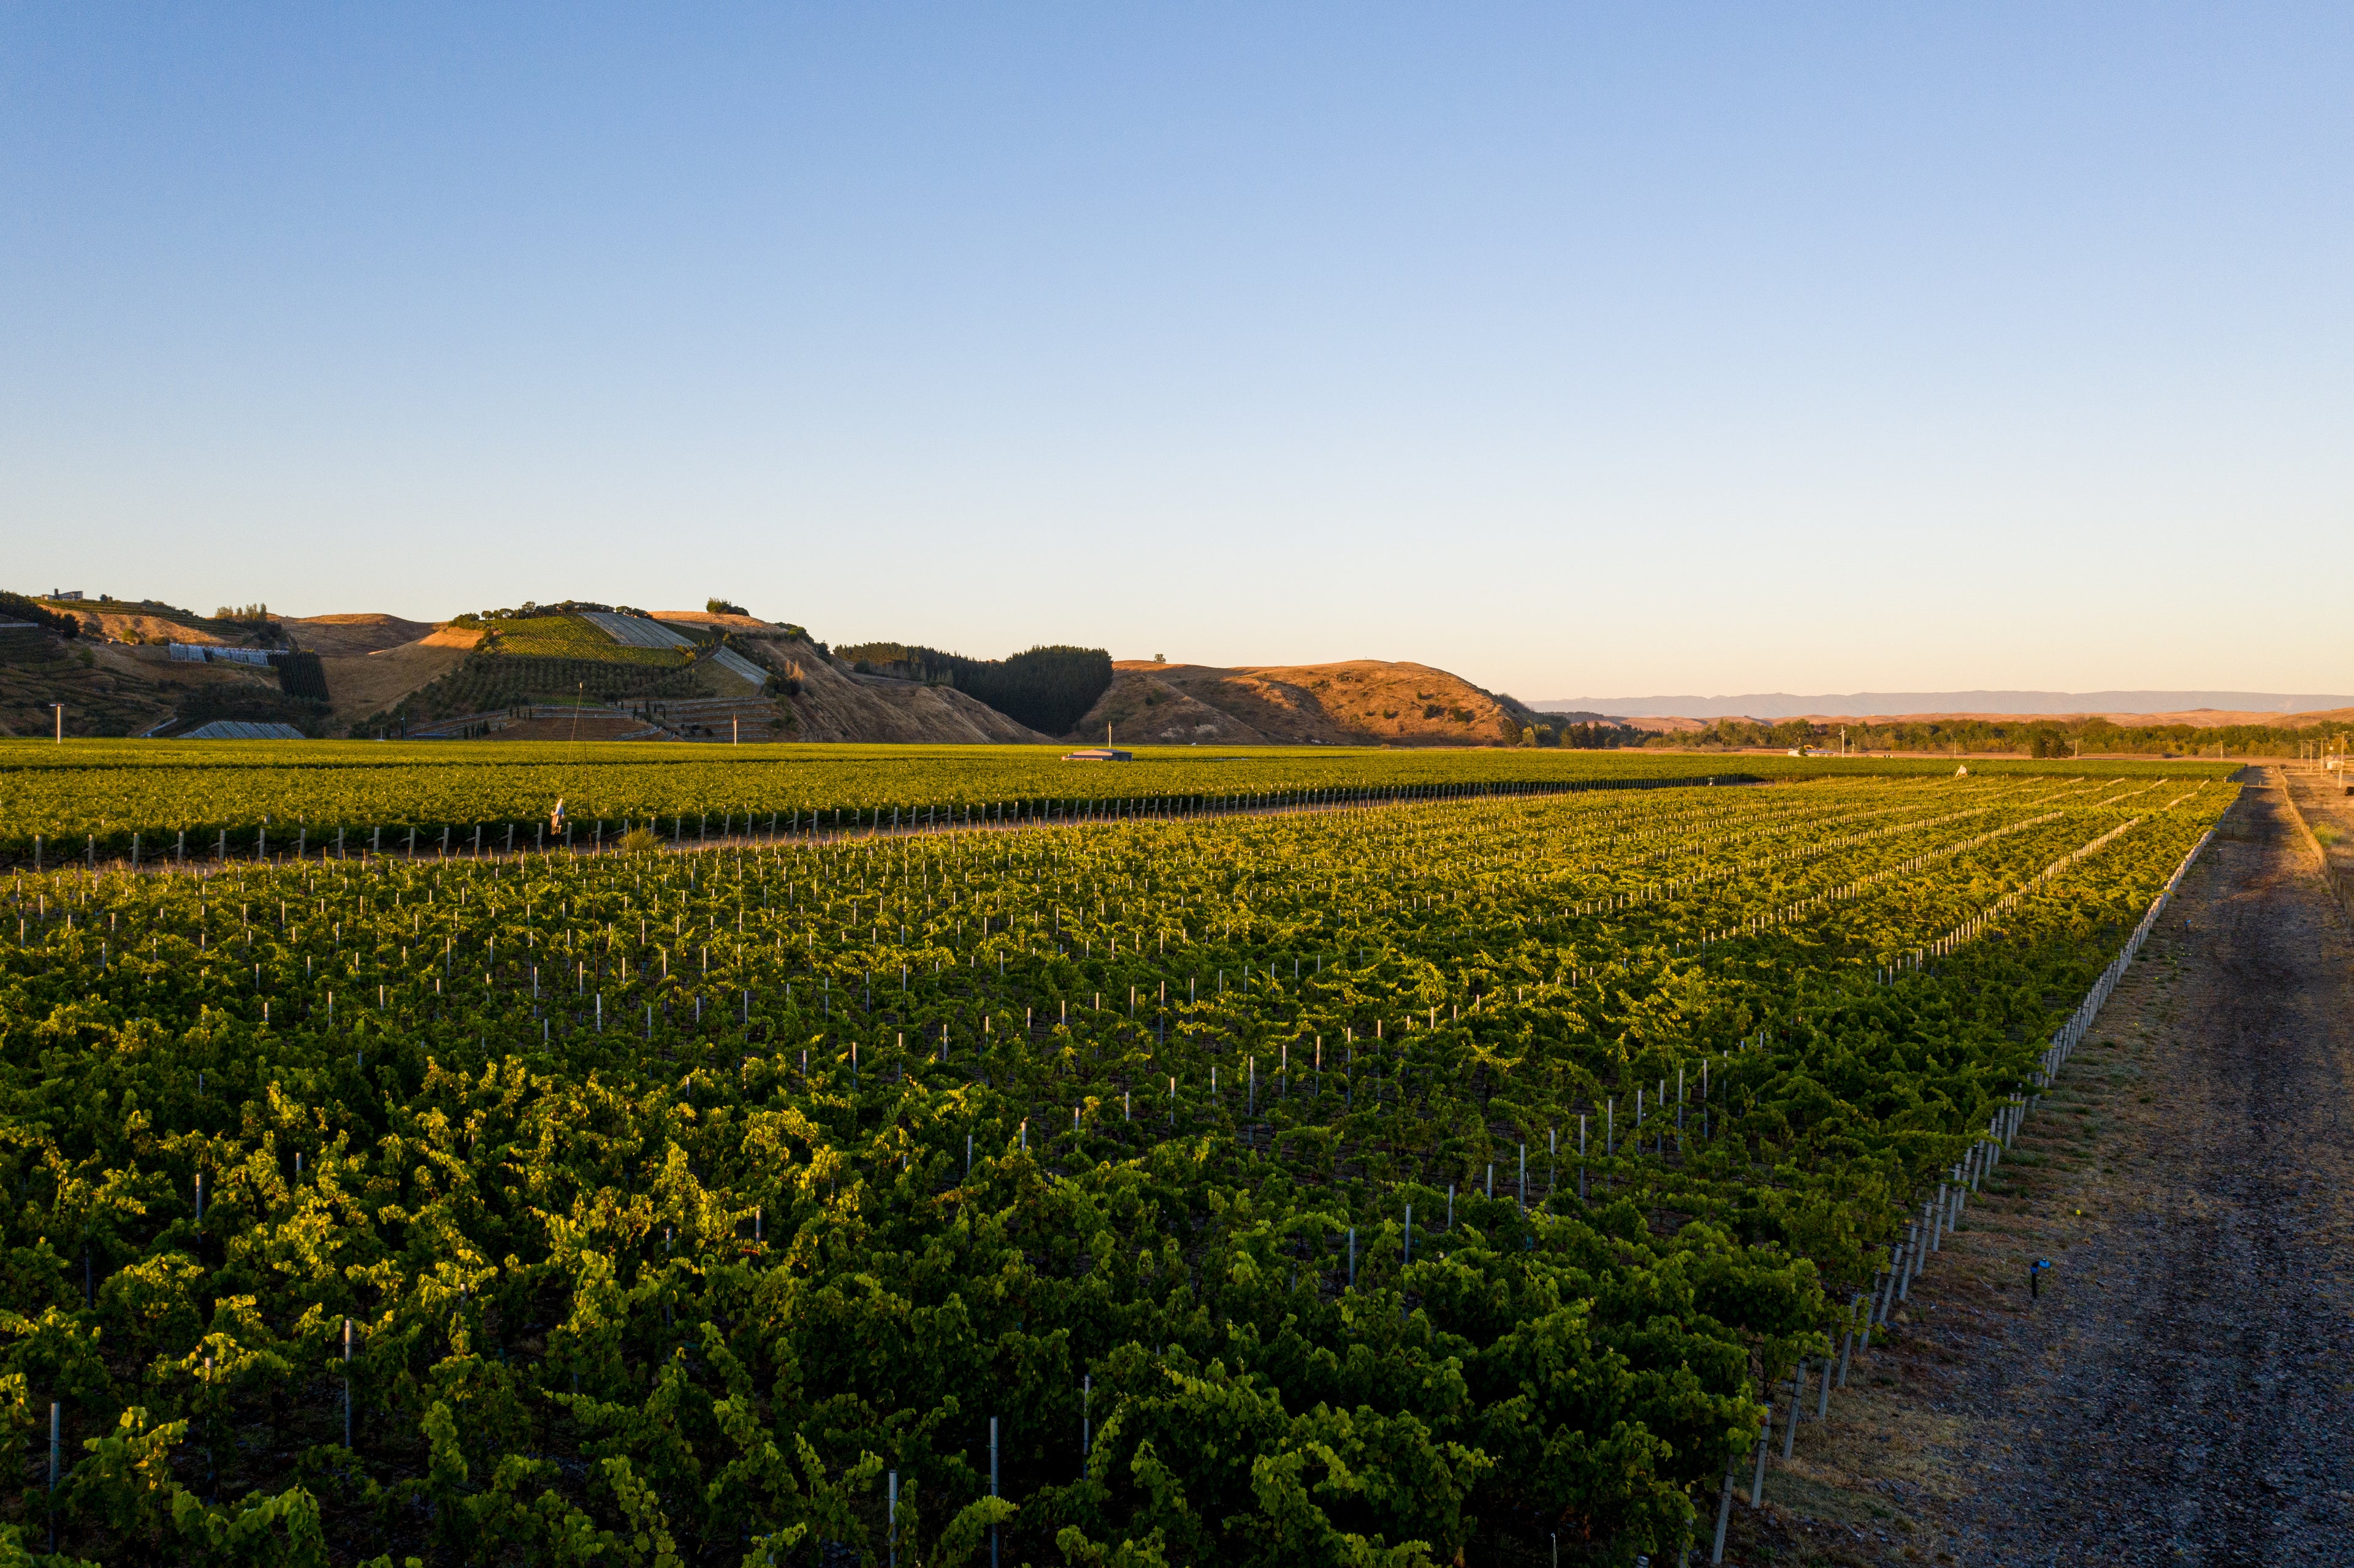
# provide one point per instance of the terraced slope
(828, 703)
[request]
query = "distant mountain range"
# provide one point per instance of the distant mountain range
(1865, 704)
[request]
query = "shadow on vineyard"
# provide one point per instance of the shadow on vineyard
(1427, 1181)
(489, 683)
(131, 800)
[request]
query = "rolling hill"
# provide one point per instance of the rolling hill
(118, 676)
(1357, 701)
(559, 671)
(828, 702)
(372, 662)
(686, 674)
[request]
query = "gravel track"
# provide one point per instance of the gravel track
(2190, 1399)
(2183, 1393)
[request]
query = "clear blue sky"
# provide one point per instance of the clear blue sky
(1583, 350)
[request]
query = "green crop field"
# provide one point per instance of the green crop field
(1403, 1179)
(541, 658)
(570, 637)
(91, 797)
(488, 683)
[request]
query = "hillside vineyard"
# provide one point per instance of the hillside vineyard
(1375, 1185)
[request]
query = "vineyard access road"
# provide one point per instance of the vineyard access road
(2183, 1394)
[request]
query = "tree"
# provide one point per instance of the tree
(15, 607)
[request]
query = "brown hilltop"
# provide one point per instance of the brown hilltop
(341, 636)
(372, 660)
(1356, 702)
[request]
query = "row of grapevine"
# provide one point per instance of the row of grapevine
(171, 849)
(1395, 1183)
(89, 798)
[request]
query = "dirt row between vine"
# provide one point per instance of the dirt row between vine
(2183, 1393)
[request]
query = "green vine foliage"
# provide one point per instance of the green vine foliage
(268, 796)
(641, 1179)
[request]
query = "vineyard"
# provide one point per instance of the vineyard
(569, 637)
(101, 799)
(486, 682)
(1409, 1180)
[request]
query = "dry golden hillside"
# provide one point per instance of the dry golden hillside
(140, 625)
(1357, 701)
(359, 685)
(115, 689)
(831, 705)
(752, 625)
(342, 636)
(375, 663)
(372, 660)
(835, 705)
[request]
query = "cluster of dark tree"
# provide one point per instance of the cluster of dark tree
(2235, 739)
(300, 674)
(527, 610)
(2032, 738)
(896, 658)
(16, 606)
(1598, 737)
(251, 703)
(1049, 689)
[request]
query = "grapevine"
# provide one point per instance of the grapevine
(1404, 1180)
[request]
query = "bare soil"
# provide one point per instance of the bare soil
(592, 725)
(138, 626)
(751, 623)
(359, 685)
(2183, 1393)
(835, 705)
(350, 636)
(2329, 810)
